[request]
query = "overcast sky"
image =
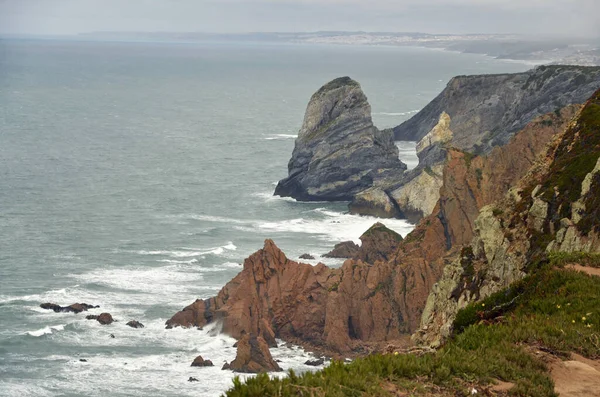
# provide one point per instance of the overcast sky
(545, 17)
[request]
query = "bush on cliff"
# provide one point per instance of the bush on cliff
(553, 307)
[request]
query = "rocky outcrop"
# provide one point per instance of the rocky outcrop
(487, 110)
(541, 212)
(200, 362)
(345, 249)
(339, 152)
(307, 256)
(253, 356)
(335, 310)
(74, 308)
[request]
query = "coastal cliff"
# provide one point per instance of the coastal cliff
(487, 110)
(482, 268)
(339, 152)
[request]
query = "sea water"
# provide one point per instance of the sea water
(138, 176)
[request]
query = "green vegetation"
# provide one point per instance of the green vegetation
(575, 157)
(581, 258)
(554, 308)
(468, 158)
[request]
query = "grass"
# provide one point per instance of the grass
(553, 307)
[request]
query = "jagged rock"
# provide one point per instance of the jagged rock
(307, 256)
(253, 356)
(225, 366)
(200, 362)
(314, 363)
(112, 336)
(192, 379)
(102, 318)
(338, 152)
(345, 249)
(135, 324)
(74, 308)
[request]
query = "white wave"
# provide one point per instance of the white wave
(46, 330)
(277, 137)
(178, 262)
(216, 219)
(268, 196)
(334, 226)
(185, 252)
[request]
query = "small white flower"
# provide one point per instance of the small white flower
(473, 391)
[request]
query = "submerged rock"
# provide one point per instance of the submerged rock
(74, 308)
(314, 363)
(338, 152)
(253, 356)
(135, 324)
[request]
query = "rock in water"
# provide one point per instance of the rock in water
(339, 152)
(135, 324)
(200, 362)
(253, 356)
(103, 318)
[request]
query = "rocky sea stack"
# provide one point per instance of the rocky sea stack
(339, 152)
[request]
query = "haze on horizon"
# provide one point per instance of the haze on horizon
(572, 18)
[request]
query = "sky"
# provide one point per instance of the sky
(574, 18)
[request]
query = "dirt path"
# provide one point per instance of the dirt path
(578, 377)
(592, 271)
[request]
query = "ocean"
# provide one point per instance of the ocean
(138, 176)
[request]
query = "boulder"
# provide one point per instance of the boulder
(378, 244)
(225, 366)
(103, 318)
(135, 324)
(345, 249)
(200, 362)
(253, 356)
(338, 152)
(307, 256)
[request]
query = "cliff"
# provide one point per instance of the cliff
(553, 208)
(487, 110)
(339, 152)
(473, 114)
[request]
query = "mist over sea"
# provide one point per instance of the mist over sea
(138, 176)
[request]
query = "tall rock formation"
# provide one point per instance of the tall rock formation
(339, 152)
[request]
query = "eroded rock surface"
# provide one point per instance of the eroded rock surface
(339, 152)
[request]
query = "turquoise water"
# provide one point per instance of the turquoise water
(137, 176)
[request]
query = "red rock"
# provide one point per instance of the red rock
(253, 356)
(200, 362)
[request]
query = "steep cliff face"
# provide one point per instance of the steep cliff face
(487, 110)
(552, 208)
(339, 152)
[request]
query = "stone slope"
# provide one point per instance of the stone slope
(338, 152)
(550, 209)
